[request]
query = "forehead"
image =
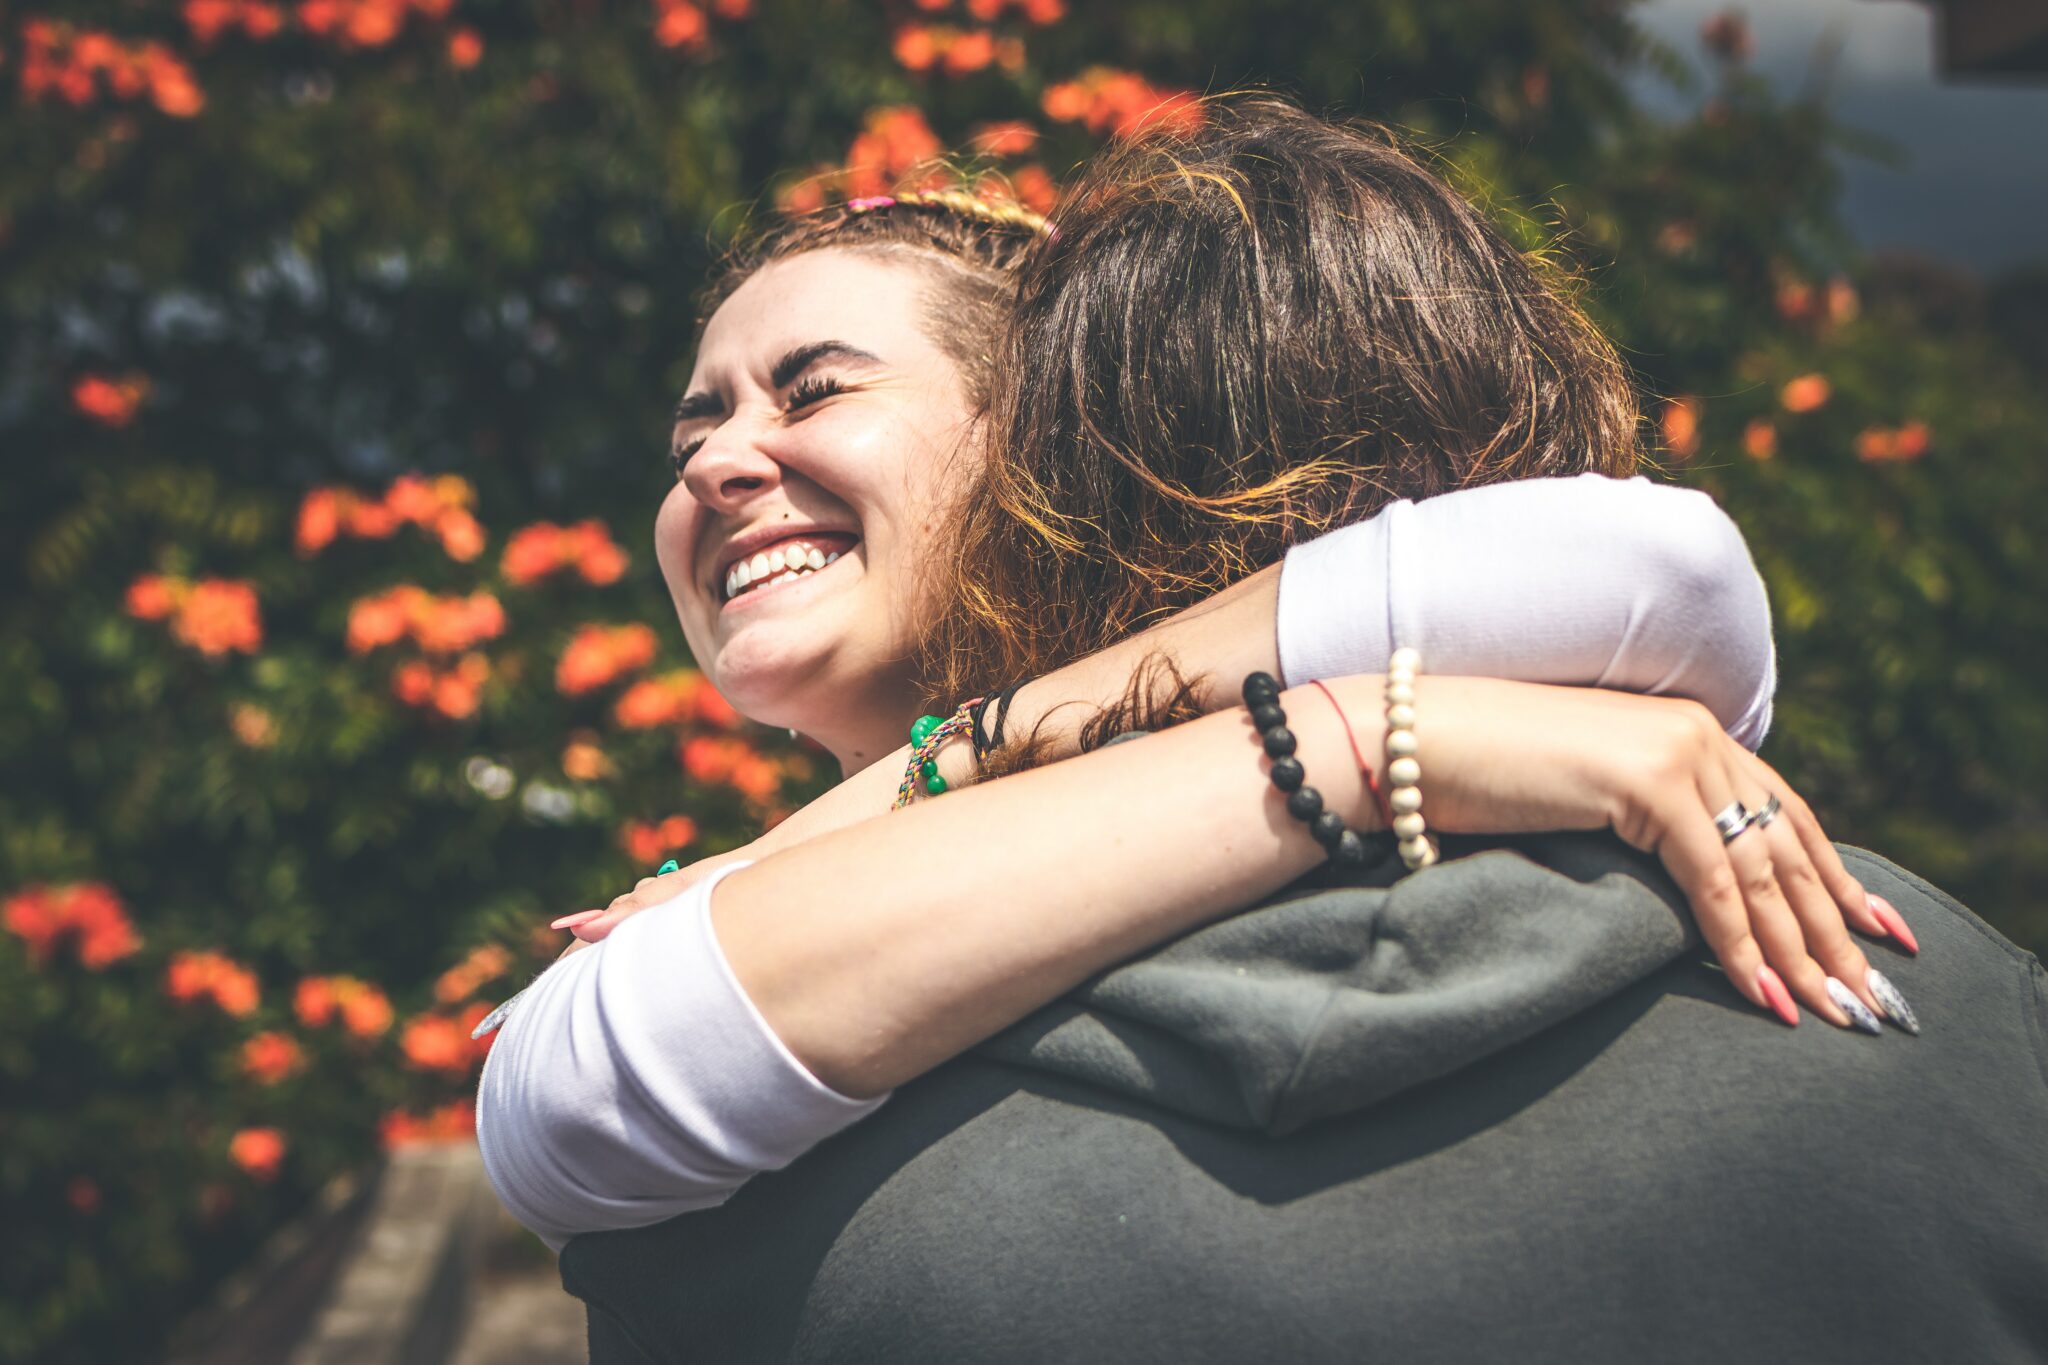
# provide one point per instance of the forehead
(871, 300)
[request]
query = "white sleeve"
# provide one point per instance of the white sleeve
(1588, 581)
(635, 1081)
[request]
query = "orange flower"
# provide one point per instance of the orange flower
(171, 87)
(650, 843)
(152, 597)
(757, 777)
(1807, 392)
(270, 1057)
(1011, 138)
(1795, 300)
(451, 1122)
(456, 697)
(1760, 439)
(411, 498)
(259, 1151)
(252, 725)
(1879, 445)
(1120, 103)
(1035, 188)
(596, 557)
(970, 52)
(485, 963)
(916, 47)
(192, 975)
(680, 24)
(365, 1011)
(375, 621)
(434, 1042)
(219, 615)
(88, 913)
(712, 708)
(449, 625)
(319, 521)
(531, 554)
(465, 48)
(583, 761)
(208, 19)
(1680, 424)
(598, 654)
(1843, 304)
(110, 402)
(314, 1001)
(413, 683)
(462, 536)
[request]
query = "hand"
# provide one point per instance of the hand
(1773, 903)
(592, 927)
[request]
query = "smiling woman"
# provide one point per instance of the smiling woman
(800, 532)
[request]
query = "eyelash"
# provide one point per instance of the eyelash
(806, 392)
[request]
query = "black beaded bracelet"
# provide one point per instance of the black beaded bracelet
(1304, 803)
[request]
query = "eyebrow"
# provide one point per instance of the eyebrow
(695, 406)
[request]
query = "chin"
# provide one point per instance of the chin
(780, 676)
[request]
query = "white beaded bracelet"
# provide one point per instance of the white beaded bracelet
(1404, 773)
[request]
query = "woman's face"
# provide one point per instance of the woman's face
(813, 447)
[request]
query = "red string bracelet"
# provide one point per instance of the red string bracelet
(1372, 782)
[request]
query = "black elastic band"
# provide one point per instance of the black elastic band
(988, 741)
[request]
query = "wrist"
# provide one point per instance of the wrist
(1334, 728)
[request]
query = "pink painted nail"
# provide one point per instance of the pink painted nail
(1773, 987)
(571, 921)
(1894, 922)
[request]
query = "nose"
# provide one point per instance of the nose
(730, 468)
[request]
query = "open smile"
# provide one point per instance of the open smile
(785, 561)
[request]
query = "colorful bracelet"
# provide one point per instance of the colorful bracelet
(927, 733)
(1304, 803)
(1404, 771)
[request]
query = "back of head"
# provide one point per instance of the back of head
(1236, 338)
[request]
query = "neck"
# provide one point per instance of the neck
(859, 735)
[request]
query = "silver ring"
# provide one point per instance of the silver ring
(1732, 819)
(1766, 813)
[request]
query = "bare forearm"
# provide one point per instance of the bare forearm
(880, 951)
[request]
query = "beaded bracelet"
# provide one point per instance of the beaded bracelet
(1404, 772)
(1304, 803)
(927, 733)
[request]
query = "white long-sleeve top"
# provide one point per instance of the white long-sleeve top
(636, 1080)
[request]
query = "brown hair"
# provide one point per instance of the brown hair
(972, 246)
(1236, 338)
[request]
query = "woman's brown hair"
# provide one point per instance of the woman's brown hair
(969, 245)
(1235, 339)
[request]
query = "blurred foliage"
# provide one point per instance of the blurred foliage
(261, 262)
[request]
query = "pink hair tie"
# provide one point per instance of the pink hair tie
(873, 201)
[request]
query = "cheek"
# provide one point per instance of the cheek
(675, 540)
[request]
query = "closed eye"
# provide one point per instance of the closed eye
(812, 389)
(678, 456)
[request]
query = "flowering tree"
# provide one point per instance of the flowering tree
(336, 338)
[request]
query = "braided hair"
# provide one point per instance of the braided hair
(973, 247)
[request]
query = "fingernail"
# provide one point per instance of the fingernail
(1858, 1012)
(1773, 988)
(1895, 1007)
(1894, 923)
(571, 921)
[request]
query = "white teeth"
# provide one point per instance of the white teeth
(776, 562)
(815, 558)
(834, 555)
(758, 567)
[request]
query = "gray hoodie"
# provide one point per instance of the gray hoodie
(1501, 1109)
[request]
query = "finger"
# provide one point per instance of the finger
(1820, 920)
(1777, 930)
(1848, 893)
(1691, 850)
(571, 921)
